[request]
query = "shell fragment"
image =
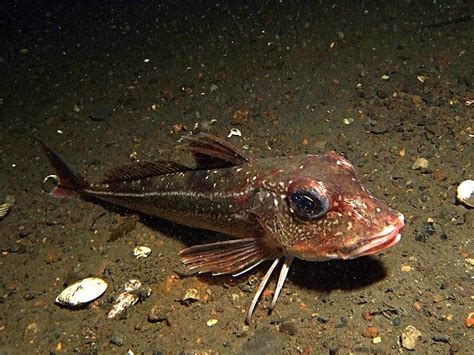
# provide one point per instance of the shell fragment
(234, 132)
(82, 292)
(466, 192)
(5, 207)
(141, 252)
(133, 292)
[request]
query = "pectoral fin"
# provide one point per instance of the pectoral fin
(227, 257)
(236, 257)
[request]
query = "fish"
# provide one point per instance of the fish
(309, 207)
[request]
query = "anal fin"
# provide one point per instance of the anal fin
(227, 257)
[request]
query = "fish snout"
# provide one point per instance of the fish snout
(387, 236)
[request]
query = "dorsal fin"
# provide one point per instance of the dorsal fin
(211, 152)
(142, 170)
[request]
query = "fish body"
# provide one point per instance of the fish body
(311, 207)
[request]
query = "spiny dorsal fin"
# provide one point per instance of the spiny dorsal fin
(142, 170)
(211, 152)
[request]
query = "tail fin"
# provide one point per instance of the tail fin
(70, 183)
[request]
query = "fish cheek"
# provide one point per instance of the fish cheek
(322, 239)
(273, 215)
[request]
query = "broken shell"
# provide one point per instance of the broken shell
(212, 322)
(190, 296)
(141, 252)
(5, 207)
(133, 292)
(421, 78)
(466, 192)
(234, 132)
(82, 292)
(420, 164)
(409, 337)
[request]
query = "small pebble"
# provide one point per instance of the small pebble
(117, 340)
(212, 322)
(396, 321)
(454, 348)
(440, 175)
(441, 338)
(376, 340)
(190, 296)
(469, 321)
(409, 337)
(370, 332)
(156, 314)
(406, 268)
(141, 252)
(420, 164)
(428, 230)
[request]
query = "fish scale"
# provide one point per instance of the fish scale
(190, 198)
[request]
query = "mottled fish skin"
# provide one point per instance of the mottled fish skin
(215, 199)
(227, 201)
(311, 207)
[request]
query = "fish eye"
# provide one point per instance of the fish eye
(308, 204)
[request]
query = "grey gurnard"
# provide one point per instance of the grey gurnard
(312, 207)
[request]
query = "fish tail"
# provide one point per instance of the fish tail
(69, 182)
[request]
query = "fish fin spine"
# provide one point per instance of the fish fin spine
(211, 152)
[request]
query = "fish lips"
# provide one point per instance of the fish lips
(386, 238)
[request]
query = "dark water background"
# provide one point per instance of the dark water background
(108, 82)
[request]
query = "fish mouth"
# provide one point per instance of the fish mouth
(388, 237)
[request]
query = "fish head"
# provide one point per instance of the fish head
(322, 211)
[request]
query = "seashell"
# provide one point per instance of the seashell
(190, 296)
(465, 192)
(133, 292)
(141, 252)
(234, 132)
(5, 207)
(82, 292)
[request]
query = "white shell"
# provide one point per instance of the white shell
(82, 292)
(5, 207)
(133, 292)
(466, 192)
(141, 252)
(234, 132)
